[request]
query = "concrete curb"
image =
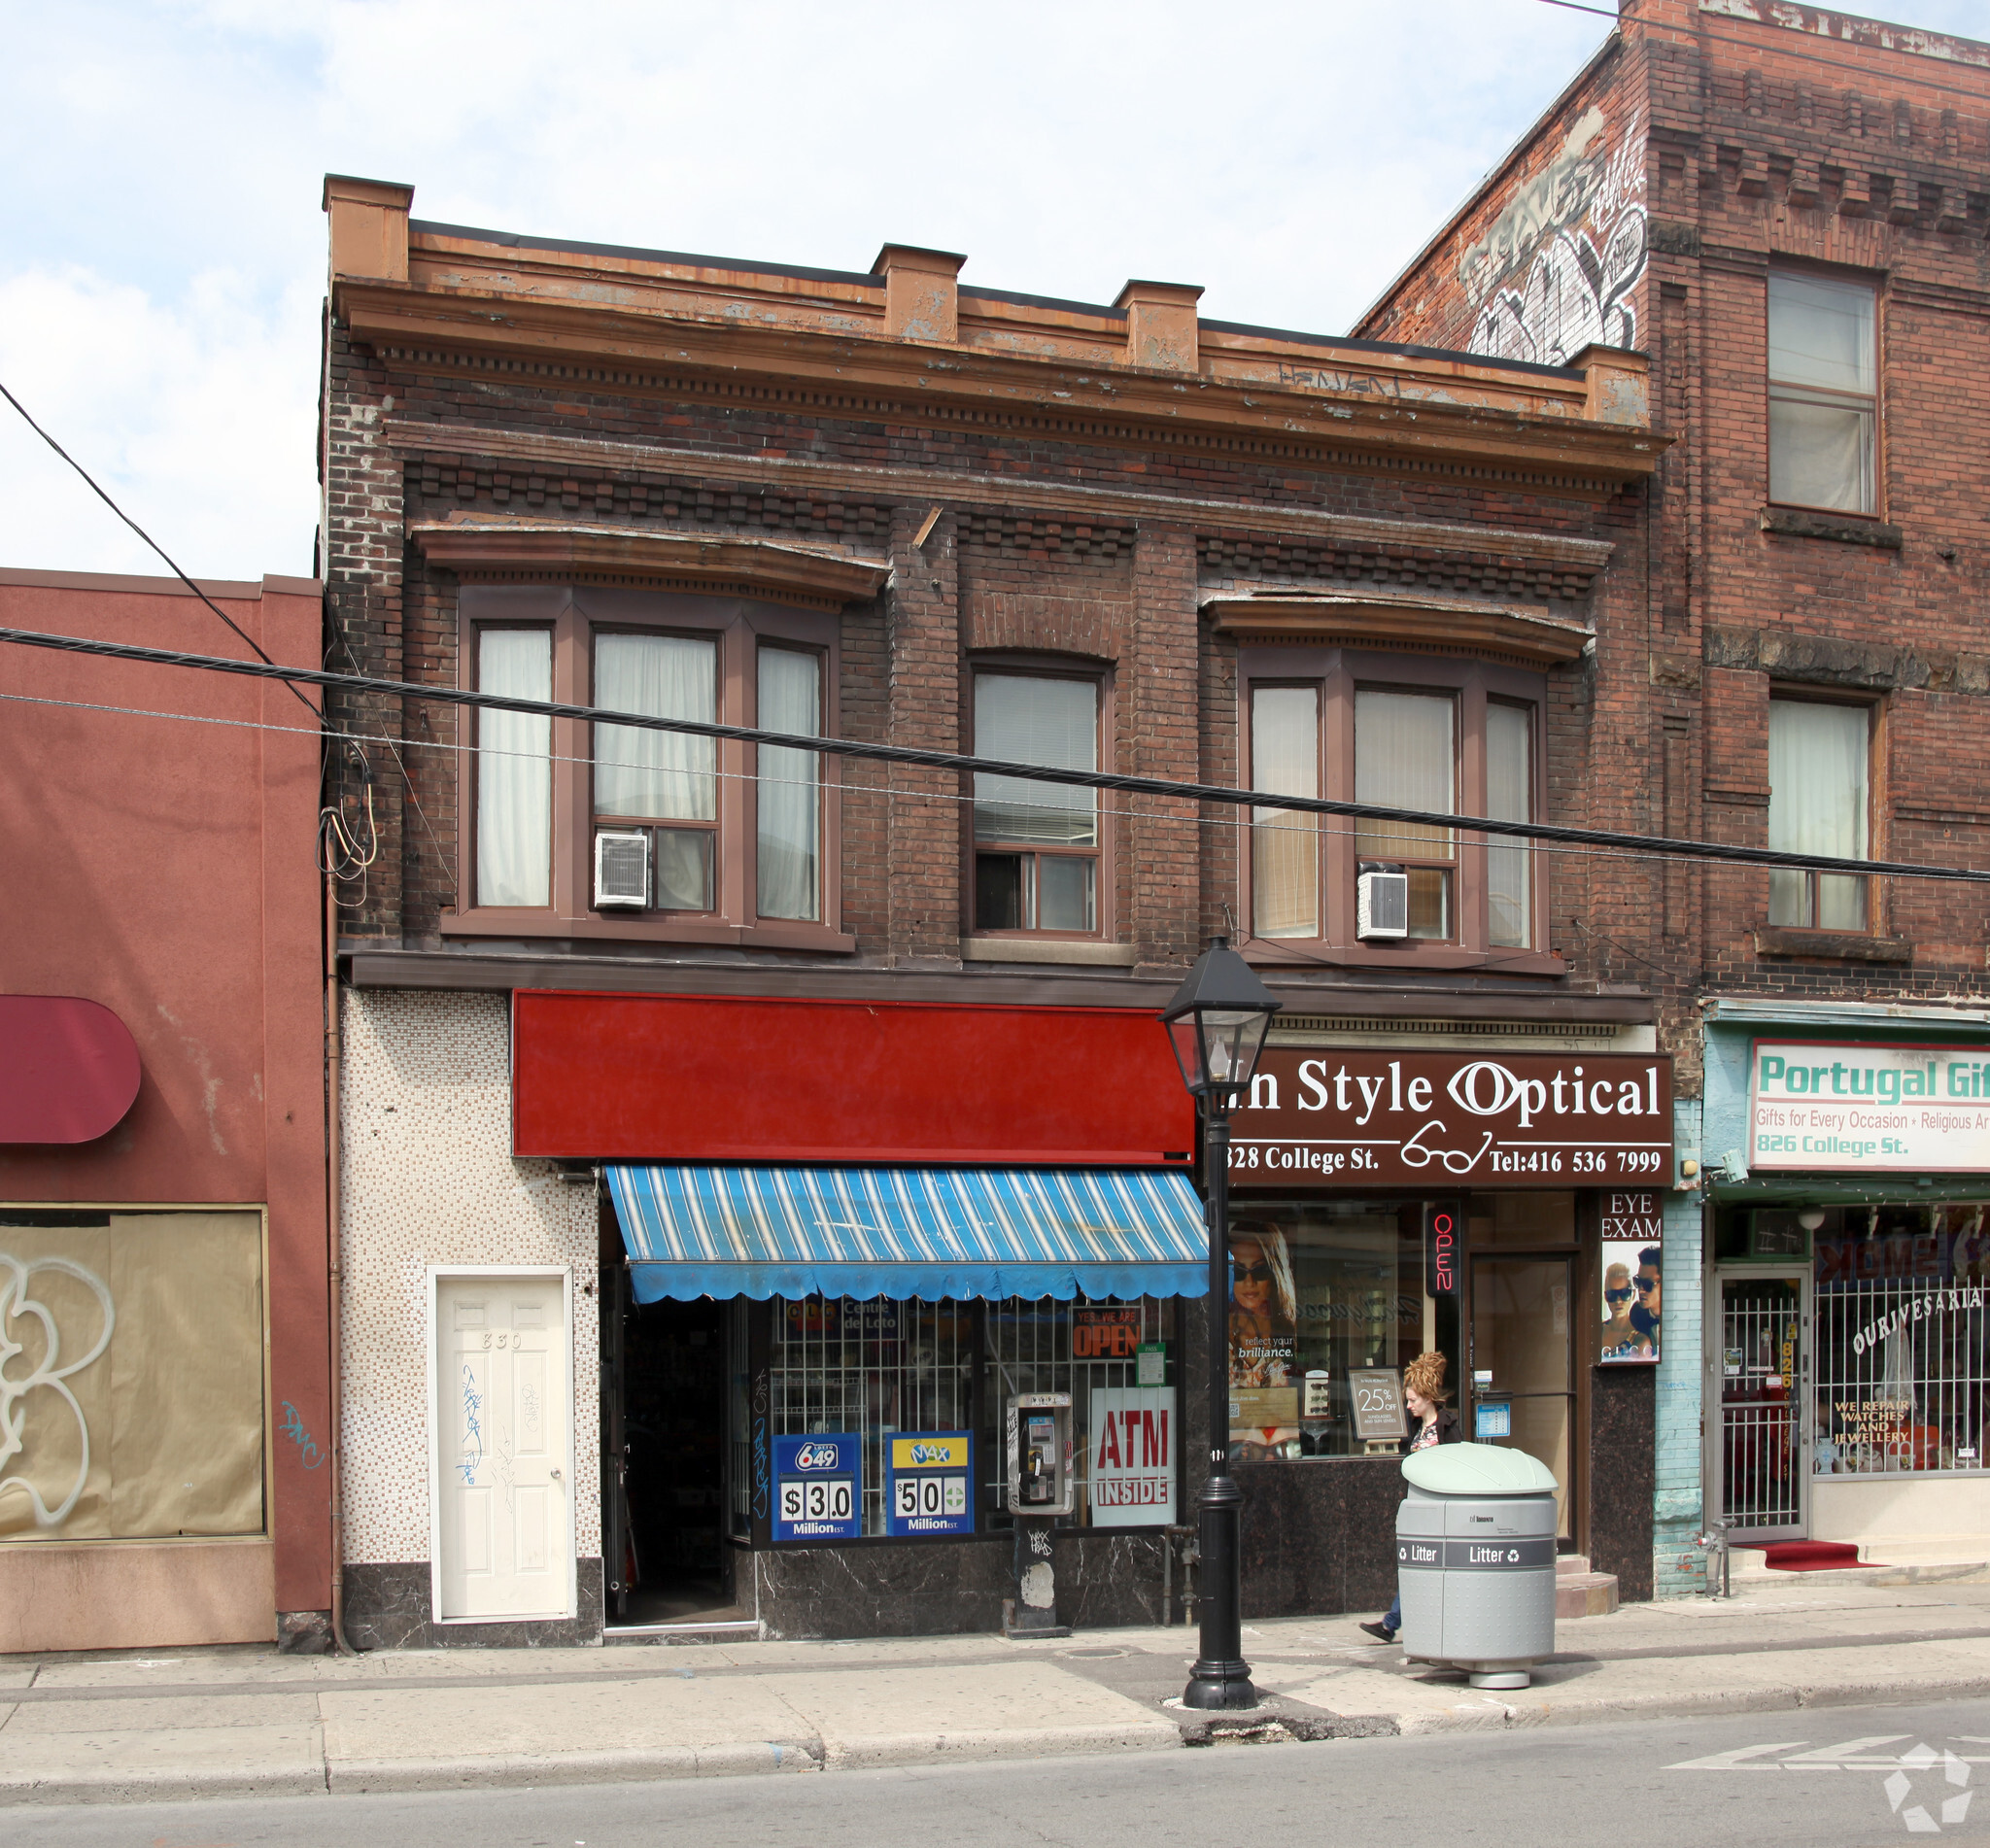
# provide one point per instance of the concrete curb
(162, 1785)
(1789, 1698)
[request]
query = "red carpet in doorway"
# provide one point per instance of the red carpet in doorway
(1809, 1556)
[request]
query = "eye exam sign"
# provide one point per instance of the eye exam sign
(1843, 1107)
(1459, 1118)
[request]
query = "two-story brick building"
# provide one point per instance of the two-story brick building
(717, 1114)
(1786, 209)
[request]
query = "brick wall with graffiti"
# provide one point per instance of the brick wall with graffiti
(1549, 256)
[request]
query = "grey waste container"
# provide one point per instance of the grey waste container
(1475, 1562)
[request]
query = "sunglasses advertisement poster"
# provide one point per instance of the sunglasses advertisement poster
(1264, 1341)
(1631, 1273)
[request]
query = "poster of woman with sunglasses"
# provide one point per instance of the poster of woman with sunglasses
(1630, 1301)
(1264, 1365)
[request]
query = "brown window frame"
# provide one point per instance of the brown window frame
(1473, 683)
(1099, 677)
(575, 613)
(1876, 758)
(1771, 388)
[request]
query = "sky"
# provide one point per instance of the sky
(163, 247)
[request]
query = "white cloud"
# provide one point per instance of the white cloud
(162, 249)
(189, 412)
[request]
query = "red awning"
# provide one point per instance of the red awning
(68, 1069)
(669, 1078)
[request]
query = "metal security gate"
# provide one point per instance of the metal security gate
(1758, 1366)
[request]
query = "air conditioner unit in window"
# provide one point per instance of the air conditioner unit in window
(1382, 903)
(622, 870)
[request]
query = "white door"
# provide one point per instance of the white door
(501, 1403)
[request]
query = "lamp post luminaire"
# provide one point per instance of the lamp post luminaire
(1217, 1023)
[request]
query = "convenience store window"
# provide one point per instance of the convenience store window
(881, 1366)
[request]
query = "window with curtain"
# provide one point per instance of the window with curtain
(1285, 843)
(790, 849)
(1036, 845)
(1509, 797)
(515, 771)
(1819, 793)
(1443, 736)
(1823, 418)
(664, 779)
(1406, 757)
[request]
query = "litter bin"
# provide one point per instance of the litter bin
(1475, 1562)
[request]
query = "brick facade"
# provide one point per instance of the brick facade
(1708, 142)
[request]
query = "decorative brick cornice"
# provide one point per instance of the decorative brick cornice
(803, 373)
(1068, 499)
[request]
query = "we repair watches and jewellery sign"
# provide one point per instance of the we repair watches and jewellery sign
(1419, 1118)
(1846, 1106)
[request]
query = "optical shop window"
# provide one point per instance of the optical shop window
(881, 1369)
(1900, 1312)
(1323, 1293)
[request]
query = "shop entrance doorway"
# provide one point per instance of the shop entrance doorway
(665, 1379)
(1759, 1364)
(1523, 1364)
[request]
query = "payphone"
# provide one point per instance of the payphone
(1040, 1476)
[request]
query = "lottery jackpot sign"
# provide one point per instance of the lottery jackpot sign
(817, 1485)
(929, 1483)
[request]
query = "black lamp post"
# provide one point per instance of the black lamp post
(1217, 1023)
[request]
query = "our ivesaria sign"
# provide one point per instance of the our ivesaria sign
(1847, 1106)
(1455, 1118)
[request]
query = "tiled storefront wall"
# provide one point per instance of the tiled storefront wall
(429, 1177)
(1678, 1565)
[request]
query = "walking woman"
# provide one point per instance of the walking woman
(1436, 1423)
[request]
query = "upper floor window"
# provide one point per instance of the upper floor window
(636, 831)
(1440, 737)
(1823, 416)
(1819, 802)
(1036, 857)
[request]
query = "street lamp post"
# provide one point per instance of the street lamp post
(1217, 1023)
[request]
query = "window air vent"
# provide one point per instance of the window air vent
(1382, 903)
(622, 870)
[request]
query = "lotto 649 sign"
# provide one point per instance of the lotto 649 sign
(816, 1483)
(1478, 1119)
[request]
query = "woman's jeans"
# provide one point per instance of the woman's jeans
(1394, 1619)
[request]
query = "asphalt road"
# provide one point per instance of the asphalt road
(1671, 1784)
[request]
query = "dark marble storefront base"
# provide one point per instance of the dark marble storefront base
(940, 1589)
(1320, 1537)
(1622, 1435)
(388, 1607)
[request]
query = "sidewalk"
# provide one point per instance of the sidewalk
(248, 1721)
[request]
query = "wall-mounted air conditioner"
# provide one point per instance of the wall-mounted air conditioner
(1382, 903)
(622, 870)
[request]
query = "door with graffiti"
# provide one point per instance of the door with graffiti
(503, 1466)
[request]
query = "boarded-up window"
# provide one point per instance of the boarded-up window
(133, 1409)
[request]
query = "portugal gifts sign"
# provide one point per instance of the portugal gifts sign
(1851, 1108)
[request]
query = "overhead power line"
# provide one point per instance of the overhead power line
(917, 756)
(91, 482)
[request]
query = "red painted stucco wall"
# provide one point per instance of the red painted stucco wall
(166, 870)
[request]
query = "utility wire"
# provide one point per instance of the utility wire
(91, 482)
(1167, 789)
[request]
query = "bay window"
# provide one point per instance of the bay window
(617, 831)
(1036, 859)
(1443, 736)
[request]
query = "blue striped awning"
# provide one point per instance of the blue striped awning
(904, 1232)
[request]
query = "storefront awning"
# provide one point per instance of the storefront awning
(908, 1232)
